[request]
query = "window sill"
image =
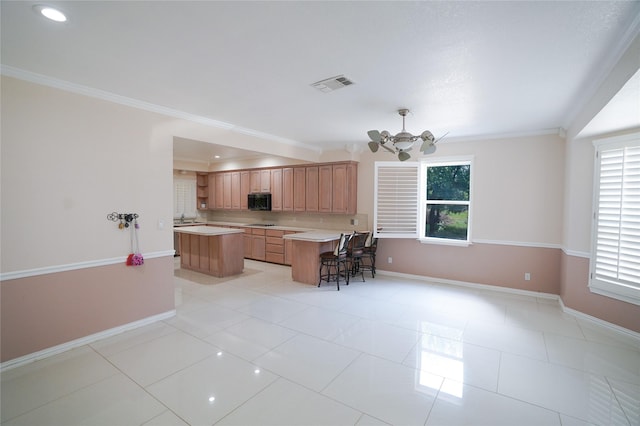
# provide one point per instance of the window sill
(445, 242)
(613, 291)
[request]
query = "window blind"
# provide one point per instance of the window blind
(616, 259)
(184, 198)
(396, 204)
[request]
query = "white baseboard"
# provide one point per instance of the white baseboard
(45, 353)
(621, 331)
(471, 285)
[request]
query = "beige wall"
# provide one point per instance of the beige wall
(574, 289)
(67, 162)
(518, 187)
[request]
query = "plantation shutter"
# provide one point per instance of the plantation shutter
(184, 198)
(396, 203)
(615, 266)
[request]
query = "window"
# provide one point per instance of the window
(430, 201)
(447, 201)
(397, 200)
(184, 198)
(615, 248)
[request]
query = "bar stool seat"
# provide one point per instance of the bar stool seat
(334, 264)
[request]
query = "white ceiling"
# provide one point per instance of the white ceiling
(470, 68)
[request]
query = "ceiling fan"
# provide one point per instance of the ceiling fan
(403, 141)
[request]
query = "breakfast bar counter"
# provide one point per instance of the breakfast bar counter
(211, 250)
(305, 258)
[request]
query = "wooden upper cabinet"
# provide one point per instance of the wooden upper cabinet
(345, 188)
(299, 188)
(324, 188)
(255, 181)
(265, 180)
(312, 188)
(276, 189)
(245, 188)
(325, 191)
(212, 190)
(235, 190)
(287, 189)
(227, 190)
(219, 190)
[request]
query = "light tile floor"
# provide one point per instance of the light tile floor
(261, 349)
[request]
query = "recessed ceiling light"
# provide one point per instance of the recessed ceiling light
(50, 13)
(216, 156)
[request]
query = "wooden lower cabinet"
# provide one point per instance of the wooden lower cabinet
(288, 248)
(267, 245)
(274, 246)
(256, 245)
(217, 255)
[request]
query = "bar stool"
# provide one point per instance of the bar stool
(335, 263)
(368, 260)
(355, 250)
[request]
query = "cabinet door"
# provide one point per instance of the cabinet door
(227, 190)
(265, 180)
(287, 189)
(255, 181)
(345, 189)
(219, 190)
(245, 188)
(235, 190)
(299, 188)
(258, 244)
(212, 191)
(276, 189)
(288, 248)
(325, 194)
(312, 188)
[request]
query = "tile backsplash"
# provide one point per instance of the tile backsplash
(300, 220)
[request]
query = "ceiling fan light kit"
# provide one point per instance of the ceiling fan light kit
(402, 142)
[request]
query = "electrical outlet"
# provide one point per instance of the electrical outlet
(527, 276)
(389, 259)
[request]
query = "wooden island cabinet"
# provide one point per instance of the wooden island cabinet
(211, 250)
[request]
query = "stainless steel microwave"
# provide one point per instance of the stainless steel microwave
(259, 201)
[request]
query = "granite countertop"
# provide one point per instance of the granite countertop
(303, 234)
(315, 236)
(207, 230)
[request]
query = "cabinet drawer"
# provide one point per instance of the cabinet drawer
(275, 241)
(275, 248)
(274, 233)
(274, 258)
(257, 231)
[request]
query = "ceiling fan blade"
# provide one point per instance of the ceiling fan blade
(387, 148)
(403, 156)
(373, 146)
(430, 148)
(427, 136)
(374, 135)
(440, 138)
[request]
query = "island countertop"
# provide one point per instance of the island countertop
(315, 237)
(207, 230)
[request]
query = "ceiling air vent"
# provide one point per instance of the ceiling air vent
(333, 83)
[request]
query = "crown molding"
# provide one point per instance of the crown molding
(67, 86)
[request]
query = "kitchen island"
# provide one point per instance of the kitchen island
(307, 246)
(211, 250)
